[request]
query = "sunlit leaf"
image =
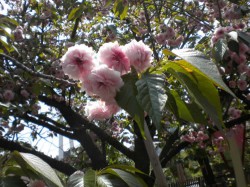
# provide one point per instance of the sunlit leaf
(108, 180)
(201, 63)
(38, 166)
(76, 179)
(130, 179)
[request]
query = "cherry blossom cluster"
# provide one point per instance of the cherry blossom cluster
(100, 74)
(198, 137)
(221, 9)
(168, 37)
(235, 61)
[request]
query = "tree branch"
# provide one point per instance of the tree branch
(58, 165)
(36, 74)
(84, 123)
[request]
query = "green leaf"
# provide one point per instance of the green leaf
(126, 168)
(126, 99)
(219, 50)
(76, 179)
(197, 61)
(152, 96)
(90, 178)
(129, 178)
(14, 170)
(204, 93)
(188, 111)
(75, 13)
(108, 180)
(244, 38)
(12, 181)
(38, 166)
(120, 9)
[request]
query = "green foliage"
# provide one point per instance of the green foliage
(200, 88)
(12, 181)
(197, 61)
(76, 180)
(187, 111)
(127, 99)
(120, 9)
(152, 96)
(35, 165)
(219, 50)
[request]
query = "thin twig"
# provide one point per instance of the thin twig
(36, 74)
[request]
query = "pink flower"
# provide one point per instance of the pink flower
(77, 62)
(242, 84)
(18, 34)
(103, 82)
(188, 138)
(242, 68)
(219, 32)
(139, 55)
(25, 93)
(99, 110)
(8, 95)
(161, 38)
(113, 56)
(37, 183)
(232, 84)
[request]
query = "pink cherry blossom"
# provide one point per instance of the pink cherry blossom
(242, 68)
(139, 55)
(8, 95)
(242, 84)
(188, 138)
(78, 61)
(25, 93)
(114, 57)
(103, 82)
(99, 110)
(37, 183)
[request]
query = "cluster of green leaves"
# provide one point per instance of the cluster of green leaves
(22, 165)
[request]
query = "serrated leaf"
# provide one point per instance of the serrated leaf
(90, 178)
(152, 96)
(219, 50)
(76, 179)
(38, 166)
(126, 99)
(199, 62)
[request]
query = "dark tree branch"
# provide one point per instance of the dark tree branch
(74, 120)
(78, 123)
(150, 32)
(26, 117)
(240, 120)
(58, 165)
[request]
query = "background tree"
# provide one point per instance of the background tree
(35, 35)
